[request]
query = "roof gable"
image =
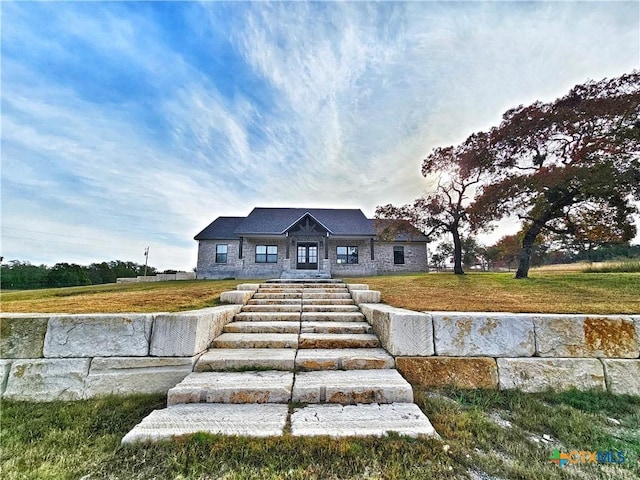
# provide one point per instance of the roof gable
(307, 225)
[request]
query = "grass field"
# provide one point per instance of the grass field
(115, 298)
(544, 292)
(485, 434)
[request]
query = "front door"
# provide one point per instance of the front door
(307, 256)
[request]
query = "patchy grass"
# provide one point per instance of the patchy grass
(492, 434)
(116, 298)
(500, 292)
(548, 292)
(618, 267)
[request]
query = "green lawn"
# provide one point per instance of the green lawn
(494, 434)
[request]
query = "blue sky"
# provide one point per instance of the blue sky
(134, 124)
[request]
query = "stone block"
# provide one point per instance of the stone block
(539, 374)
(185, 275)
(459, 372)
(5, 368)
(233, 387)
(47, 379)
(260, 420)
(458, 334)
(129, 375)
(401, 332)
(237, 297)
(352, 287)
(586, 336)
(623, 376)
(361, 420)
(365, 296)
(186, 334)
(22, 335)
(350, 387)
(248, 287)
(98, 335)
(165, 277)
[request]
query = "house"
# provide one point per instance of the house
(307, 242)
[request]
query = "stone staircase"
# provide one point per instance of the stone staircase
(296, 341)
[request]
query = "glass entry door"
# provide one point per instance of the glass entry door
(307, 256)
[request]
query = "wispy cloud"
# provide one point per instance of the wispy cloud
(129, 124)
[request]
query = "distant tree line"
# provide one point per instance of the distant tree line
(17, 275)
(505, 253)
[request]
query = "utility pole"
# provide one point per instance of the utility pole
(146, 260)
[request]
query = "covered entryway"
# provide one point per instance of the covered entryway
(307, 256)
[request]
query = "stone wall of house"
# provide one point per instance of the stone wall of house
(365, 265)
(208, 268)
(251, 269)
(71, 357)
(415, 257)
(503, 350)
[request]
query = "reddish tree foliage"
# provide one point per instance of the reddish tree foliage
(459, 170)
(557, 164)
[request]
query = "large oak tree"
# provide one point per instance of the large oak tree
(556, 164)
(458, 170)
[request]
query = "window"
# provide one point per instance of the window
(347, 254)
(221, 253)
(398, 255)
(266, 253)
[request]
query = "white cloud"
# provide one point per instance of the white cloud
(349, 98)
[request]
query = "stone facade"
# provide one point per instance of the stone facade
(415, 257)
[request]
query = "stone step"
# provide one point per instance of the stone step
(267, 317)
(233, 387)
(262, 327)
(336, 327)
(325, 290)
(252, 420)
(306, 295)
(276, 296)
(220, 359)
(332, 317)
(256, 340)
(283, 301)
(329, 308)
(279, 290)
(361, 420)
(313, 281)
(326, 301)
(338, 340)
(272, 308)
(344, 359)
(349, 387)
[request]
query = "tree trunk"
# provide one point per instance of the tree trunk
(527, 248)
(457, 252)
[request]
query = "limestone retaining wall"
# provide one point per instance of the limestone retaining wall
(48, 357)
(505, 350)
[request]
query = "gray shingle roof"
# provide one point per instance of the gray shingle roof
(222, 228)
(277, 220)
(398, 231)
